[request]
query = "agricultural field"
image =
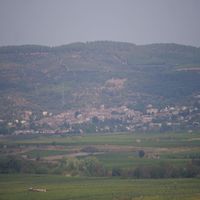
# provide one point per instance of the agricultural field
(121, 148)
(101, 166)
(109, 148)
(76, 188)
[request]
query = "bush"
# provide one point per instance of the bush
(11, 164)
(92, 167)
(88, 167)
(116, 172)
(141, 153)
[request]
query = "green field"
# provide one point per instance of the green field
(166, 155)
(66, 188)
(146, 139)
(116, 149)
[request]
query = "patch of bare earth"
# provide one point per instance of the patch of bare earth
(189, 69)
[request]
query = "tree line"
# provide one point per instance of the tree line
(91, 166)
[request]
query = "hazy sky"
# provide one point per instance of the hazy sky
(56, 22)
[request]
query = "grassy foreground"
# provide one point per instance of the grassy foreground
(79, 188)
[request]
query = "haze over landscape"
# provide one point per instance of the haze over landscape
(53, 23)
(100, 99)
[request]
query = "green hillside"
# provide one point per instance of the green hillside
(81, 75)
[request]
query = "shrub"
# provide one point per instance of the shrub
(141, 153)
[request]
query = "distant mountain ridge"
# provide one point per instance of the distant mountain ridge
(179, 51)
(80, 75)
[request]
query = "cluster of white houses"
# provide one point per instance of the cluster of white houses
(121, 118)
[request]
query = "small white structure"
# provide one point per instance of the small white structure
(37, 189)
(44, 113)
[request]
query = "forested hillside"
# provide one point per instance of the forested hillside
(39, 82)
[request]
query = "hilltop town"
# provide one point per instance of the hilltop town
(114, 119)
